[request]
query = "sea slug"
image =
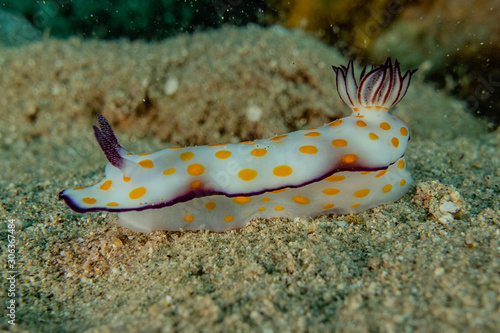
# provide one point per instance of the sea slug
(347, 166)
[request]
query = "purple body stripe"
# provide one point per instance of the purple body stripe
(200, 194)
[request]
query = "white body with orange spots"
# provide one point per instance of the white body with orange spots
(347, 166)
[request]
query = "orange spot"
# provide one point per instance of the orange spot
(276, 138)
(355, 109)
(395, 142)
(282, 171)
(130, 154)
(402, 182)
(356, 205)
(331, 191)
(126, 179)
(385, 126)
(195, 169)
(187, 156)
(278, 208)
(146, 164)
(146, 154)
(373, 136)
(278, 191)
(349, 158)
(359, 116)
(259, 152)
(196, 184)
(188, 218)
(403, 131)
(361, 193)
(210, 205)
(401, 164)
(381, 173)
(89, 201)
(112, 204)
(168, 172)
(301, 200)
(265, 199)
(310, 129)
(136, 193)
(378, 107)
(339, 143)
(228, 218)
(361, 123)
(223, 154)
(328, 206)
(249, 142)
(242, 200)
(368, 107)
(335, 178)
(106, 185)
(217, 145)
(77, 188)
(335, 123)
(365, 172)
(261, 209)
(312, 134)
(247, 174)
(177, 147)
(308, 149)
(387, 188)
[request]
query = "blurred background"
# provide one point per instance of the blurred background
(455, 44)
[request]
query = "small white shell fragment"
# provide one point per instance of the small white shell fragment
(253, 113)
(448, 207)
(171, 86)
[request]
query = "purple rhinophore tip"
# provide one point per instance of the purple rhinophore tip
(109, 149)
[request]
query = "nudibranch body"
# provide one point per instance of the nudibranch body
(347, 166)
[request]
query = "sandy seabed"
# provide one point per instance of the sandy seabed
(427, 263)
